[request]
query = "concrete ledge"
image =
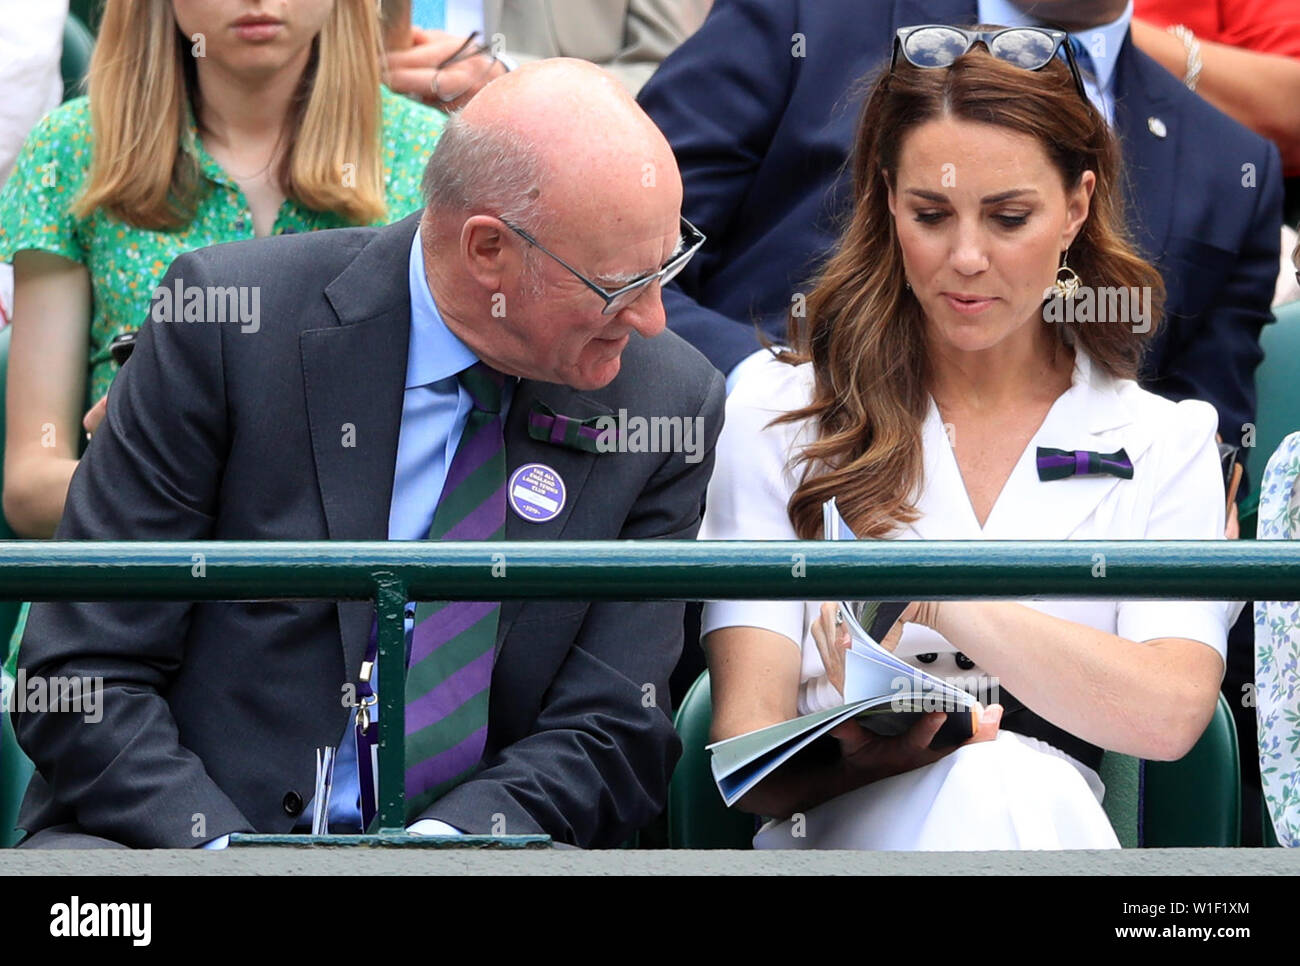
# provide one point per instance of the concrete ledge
(332, 860)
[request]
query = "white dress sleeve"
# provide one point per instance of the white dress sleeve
(752, 484)
(1189, 504)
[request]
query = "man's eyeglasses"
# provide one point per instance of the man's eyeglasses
(1030, 48)
(621, 298)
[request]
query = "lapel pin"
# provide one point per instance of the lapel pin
(536, 493)
(1061, 464)
(1157, 127)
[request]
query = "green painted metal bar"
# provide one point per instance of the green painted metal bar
(390, 608)
(652, 570)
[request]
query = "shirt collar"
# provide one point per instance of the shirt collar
(1103, 52)
(435, 353)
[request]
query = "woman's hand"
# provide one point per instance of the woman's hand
(832, 637)
(924, 612)
(95, 416)
(870, 757)
(415, 72)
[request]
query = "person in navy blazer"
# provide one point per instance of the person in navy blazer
(760, 106)
(211, 712)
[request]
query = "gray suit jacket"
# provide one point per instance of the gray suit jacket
(629, 38)
(212, 711)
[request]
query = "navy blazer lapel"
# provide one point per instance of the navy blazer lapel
(1142, 103)
(571, 465)
(355, 376)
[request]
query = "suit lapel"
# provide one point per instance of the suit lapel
(355, 373)
(1150, 161)
(571, 465)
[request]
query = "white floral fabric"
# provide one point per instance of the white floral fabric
(1277, 653)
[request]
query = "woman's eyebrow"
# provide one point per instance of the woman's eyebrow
(986, 200)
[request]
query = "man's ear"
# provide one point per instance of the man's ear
(484, 251)
(1078, 202)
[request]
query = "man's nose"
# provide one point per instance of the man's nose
(646, 312)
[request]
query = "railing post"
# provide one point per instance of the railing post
(390, 610)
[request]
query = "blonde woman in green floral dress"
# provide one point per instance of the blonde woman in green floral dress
(203, 125)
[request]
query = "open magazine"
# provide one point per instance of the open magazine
(883, 692)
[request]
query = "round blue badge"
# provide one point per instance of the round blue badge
(536, 493)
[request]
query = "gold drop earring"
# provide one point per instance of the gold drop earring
(1066, 287)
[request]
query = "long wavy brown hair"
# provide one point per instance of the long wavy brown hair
(863, 331)
(142, 76)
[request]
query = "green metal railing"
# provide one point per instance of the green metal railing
(393, 572)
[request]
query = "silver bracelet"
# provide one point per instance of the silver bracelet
(1193, 48)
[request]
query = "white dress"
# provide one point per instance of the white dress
(1016, 792)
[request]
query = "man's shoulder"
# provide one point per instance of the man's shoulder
(659, 371)
(290, 257)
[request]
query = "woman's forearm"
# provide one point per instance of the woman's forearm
(1151, 700)
(801, 784)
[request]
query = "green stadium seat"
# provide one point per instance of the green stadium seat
(1196, 801)
(1192, 802)
(1278, 401)
(697, 818)
(15, 772)
(78, 42)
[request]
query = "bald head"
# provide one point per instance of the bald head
(551, 182)
(570, 142)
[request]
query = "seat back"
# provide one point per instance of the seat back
(697, 817)
(1277, 409)
(78, 43)
(1192, 802)
(15, 772)
(1196, 800)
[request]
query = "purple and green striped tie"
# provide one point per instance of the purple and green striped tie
(450, 667)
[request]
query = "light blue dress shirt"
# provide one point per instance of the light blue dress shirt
(435, 408)
(1101, 43)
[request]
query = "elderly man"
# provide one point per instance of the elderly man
(398, 379)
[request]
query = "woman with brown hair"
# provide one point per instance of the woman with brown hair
(206, 122)
(965, 370)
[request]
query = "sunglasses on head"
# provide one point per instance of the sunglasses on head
(1030, 48)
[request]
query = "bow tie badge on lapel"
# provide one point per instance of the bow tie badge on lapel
(585, 435)
(1060, 464)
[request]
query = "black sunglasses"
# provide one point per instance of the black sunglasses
(1030, 48)
(622, 297)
